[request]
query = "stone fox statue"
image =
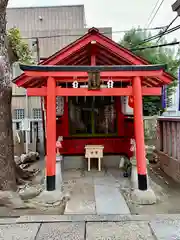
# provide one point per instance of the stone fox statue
(127, 168)
(127, 163)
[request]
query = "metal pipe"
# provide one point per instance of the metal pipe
(26, 116)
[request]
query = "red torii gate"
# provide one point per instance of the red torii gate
(49, 89)
(94, 52)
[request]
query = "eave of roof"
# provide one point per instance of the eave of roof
(94, 33)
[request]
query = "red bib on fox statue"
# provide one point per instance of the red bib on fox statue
(131, 102)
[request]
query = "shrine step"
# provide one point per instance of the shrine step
(109, 200)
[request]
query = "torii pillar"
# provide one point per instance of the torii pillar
(139, 134)
(51, 135)
(142, 195)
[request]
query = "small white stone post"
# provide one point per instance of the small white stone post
(58, 164)
(134, 174)
(121, 162)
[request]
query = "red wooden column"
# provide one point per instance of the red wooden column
(139, 134)
(51, 134)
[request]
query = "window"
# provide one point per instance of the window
(17, 125)
(104, 116)
(92, 116)
(37, 114)
(19, 113)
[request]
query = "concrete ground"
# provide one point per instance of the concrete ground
(100, 208)
(94, 193)
(108, 192)
(91, 227)
(166, 190)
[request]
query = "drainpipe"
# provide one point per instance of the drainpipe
(26, 117)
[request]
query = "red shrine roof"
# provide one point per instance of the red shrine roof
(107, 52)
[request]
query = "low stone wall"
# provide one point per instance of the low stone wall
(150, 130)
(169, 165)
(79, 162)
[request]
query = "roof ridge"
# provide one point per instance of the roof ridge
(54, 6)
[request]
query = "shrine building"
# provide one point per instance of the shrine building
(92, 93)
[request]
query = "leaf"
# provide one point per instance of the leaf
(163, 55)
(19, 46)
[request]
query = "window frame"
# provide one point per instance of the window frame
(19, 113)
(94, 134)
(38, 113)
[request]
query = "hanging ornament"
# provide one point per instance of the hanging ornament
(110, 84)
(75, 84)
(59, 106)
(131, 101)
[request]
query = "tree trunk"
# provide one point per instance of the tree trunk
(7, 164)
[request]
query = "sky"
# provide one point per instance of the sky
(118, 14)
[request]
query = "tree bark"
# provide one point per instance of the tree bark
(7, 164)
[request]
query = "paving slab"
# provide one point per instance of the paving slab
(94, 173)
(106, 180)
(8, 220)
(118, 231)
(109, 200)
(82, 200)
(166, 229)
(19, 231)
(71, 174)
(118, 175)
(61, 231)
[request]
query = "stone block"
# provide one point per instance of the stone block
(69, 231)
(19, 231)
(166, 229)
(109, 200)
(82, 199)
(118, 230)
(73, 162)
(111, 161)
(147, 197)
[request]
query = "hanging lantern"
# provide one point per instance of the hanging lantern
(131, 101)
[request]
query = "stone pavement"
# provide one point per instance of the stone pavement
(96, 193)
(91, 227)
(109, 200)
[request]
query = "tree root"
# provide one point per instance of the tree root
(24, 176)
(12, 199)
